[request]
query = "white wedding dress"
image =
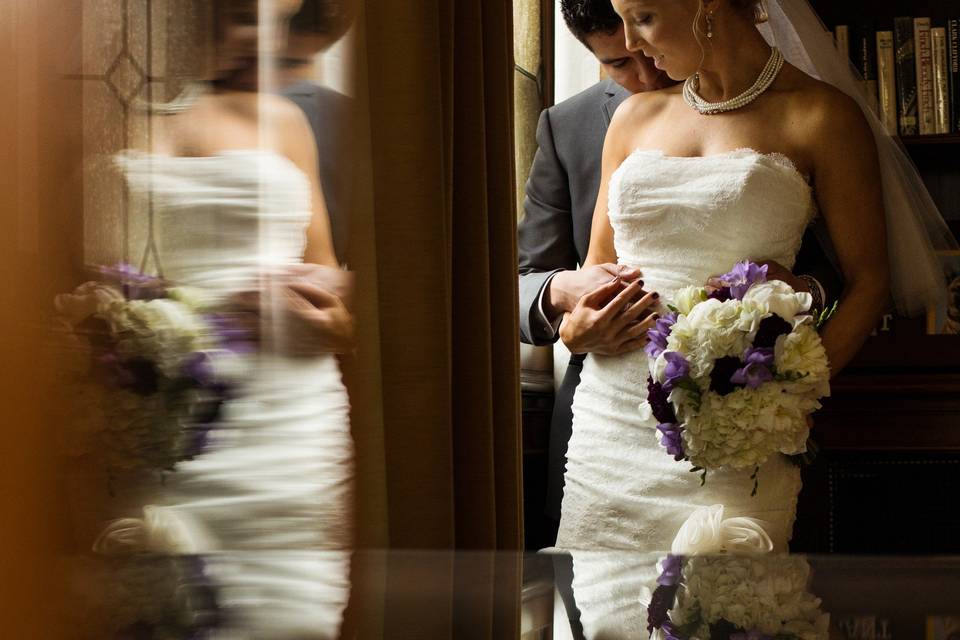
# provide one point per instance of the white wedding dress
(679, 220)
(268, 502)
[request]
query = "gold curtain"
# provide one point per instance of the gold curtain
(40, 248)
(437, 312)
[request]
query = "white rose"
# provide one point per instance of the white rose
(779, 298)
(685, 299)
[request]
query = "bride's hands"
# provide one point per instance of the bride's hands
(319, 321)
(610, 323)
(307, 310)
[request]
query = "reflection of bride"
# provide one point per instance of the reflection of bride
(699, 176)
(238, 211)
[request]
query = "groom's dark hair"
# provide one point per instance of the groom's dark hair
(584, 17)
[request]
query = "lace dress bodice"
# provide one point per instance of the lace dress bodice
(684, 219)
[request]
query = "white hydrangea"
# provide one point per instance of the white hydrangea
(766, 593)
(745, 427)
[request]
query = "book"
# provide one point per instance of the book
(941, 84)
(865, 60)
(953, 47)
(906, 75)
(886, 81)
(924, 62)
(841, 38)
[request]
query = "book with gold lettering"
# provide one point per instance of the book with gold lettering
(886, 81)
(941, 83)
(906, 72)
(924, 62)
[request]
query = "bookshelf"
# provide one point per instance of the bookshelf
(892, 424)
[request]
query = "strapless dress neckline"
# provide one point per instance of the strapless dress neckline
(774, 158)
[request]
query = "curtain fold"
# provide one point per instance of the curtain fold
(440, 89)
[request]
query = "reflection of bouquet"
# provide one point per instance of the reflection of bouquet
(144, 595)
(748, 597)
(146, 367)
(734, 374)
(722, 582)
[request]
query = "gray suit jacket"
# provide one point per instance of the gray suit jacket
(555, 234)
(561, 192)
(328, 111)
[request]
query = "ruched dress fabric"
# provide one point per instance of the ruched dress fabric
(268, 502)
(680, 220)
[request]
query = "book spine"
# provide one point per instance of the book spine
(841, 38)
(953, 35)
(886, 81)
(906, 75)
(941, 85)
(866, 62)
(924, 62)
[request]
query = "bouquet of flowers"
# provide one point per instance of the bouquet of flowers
(147, 366)
(735, 597)
(734, 374)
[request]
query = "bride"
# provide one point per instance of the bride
(732, 164)
(240, 218)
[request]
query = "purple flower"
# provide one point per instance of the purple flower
(659, 404)
(771, 328)
(721, 374)
(676, 370)
(670, 632)
(658, 611)
(756, 369)
(671, 571)
(722, 294)
(658, 334)
(198, 368)
(233, 331)
(672, 439)
(135, 284)
(743, 276)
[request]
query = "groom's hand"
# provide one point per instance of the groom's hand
(566, 288)
(610, 320)
(775, 271)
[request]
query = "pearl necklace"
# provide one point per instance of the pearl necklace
(692, 84)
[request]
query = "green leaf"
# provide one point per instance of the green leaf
(827, 313)
(673, 308)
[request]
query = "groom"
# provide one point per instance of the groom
(554, 233)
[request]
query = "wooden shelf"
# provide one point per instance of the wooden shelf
(942, 138)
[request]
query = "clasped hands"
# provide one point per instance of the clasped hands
(606, 310)
(309, 306)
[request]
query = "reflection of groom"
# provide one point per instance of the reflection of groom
(558, 210)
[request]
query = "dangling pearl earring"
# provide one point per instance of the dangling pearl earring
(710, 25)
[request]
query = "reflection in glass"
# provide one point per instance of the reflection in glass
(209, 435)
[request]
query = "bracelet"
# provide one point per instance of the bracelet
(816, 292)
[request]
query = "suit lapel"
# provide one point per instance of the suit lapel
(615, 95)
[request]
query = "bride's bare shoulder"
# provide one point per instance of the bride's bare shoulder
(645, 105)
(822, 108)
